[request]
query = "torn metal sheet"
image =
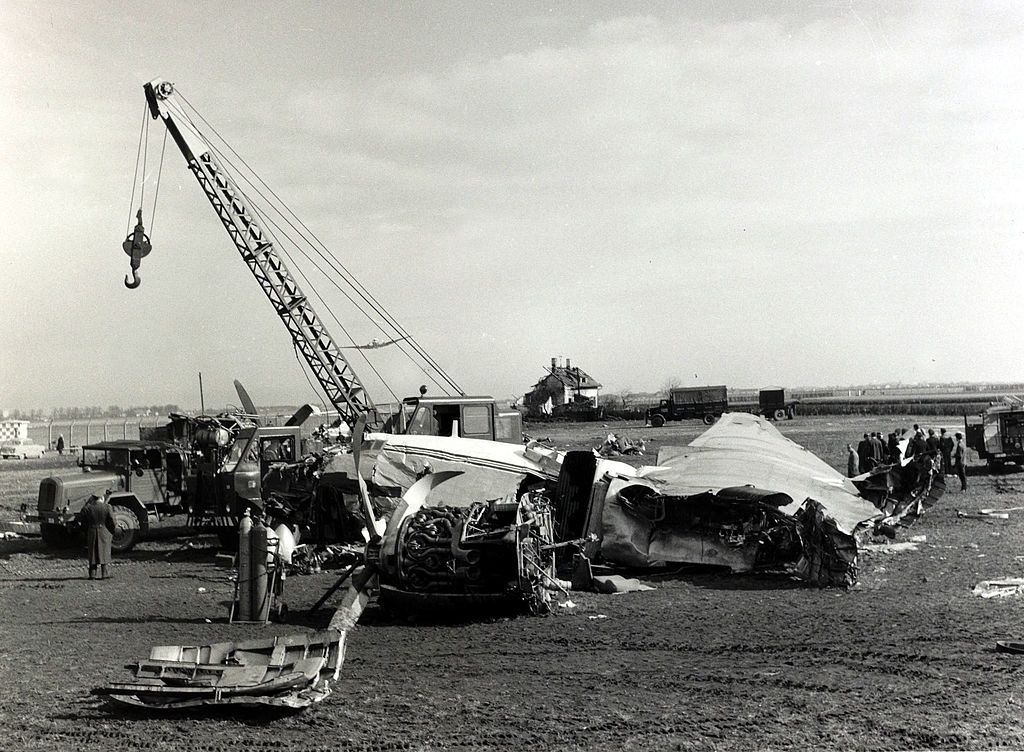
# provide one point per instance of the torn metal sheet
(740, 496)
(292, 671)
(743, 449)
(492, 470)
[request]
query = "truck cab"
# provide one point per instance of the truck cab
(466, 417)
(144, 479)
(997, 435)
(228, 482)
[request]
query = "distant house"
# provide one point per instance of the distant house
(561, 386)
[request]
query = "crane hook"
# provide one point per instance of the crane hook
(137, 246)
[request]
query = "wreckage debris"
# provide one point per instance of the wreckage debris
(615, 445)
(999, 588)
(290, 672)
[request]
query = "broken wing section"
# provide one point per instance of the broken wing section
(743, 496)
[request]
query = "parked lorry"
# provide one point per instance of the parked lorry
(772, 404)
(144, 479)
(997, 434)
(706, 403)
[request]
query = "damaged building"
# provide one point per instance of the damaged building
(565, 391)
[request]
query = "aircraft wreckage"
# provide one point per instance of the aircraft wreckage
(473, 523)
(740, 496)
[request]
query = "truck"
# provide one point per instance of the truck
(143, 480)
(706, 403)
(997, 434)
(772, 404)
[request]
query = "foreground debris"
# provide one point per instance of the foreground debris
(291, 672)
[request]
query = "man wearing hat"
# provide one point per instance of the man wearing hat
(99, 533)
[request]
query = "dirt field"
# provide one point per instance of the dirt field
(905, 660)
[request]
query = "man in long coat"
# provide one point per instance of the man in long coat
(99, 534)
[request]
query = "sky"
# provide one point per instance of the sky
(700, 193)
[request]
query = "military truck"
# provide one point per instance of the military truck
(145, 480)
(704, 402)
(772, 404)
(997, 435)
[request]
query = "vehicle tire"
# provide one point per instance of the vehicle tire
(126, 529)
(708, 420)
(56, 536)
(657, 421)
(780, 414)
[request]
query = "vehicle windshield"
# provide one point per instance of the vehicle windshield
(240, 451)
(94, 458)
(422, 422)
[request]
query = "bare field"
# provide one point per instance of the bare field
(706, 661)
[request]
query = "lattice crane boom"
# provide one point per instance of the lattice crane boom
(311, 338)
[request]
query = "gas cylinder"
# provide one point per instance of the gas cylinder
(259, 577)
(244, 611)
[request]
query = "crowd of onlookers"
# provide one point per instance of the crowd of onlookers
(950, 452)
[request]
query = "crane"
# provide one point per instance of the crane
(252, 227)
(311, 338)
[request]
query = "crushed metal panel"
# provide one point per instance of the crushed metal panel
(491, 470)
(743, 449)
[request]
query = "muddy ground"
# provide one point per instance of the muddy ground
(708, 660)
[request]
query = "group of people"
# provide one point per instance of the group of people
(874, 450)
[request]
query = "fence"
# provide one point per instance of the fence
(79, 432)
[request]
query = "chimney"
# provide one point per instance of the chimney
(567, 364)
(554, 363)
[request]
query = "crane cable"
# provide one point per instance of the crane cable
(138, 158)
(139, 179)
(332, 261)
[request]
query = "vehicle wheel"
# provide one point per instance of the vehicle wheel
(126, 529)
(709, 419)
(657, 421)
(780, 414)
(56, 536)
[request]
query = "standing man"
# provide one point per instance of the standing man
(877, 448)
(960, 461)
(60, 444)
(932, 442)
(864, 454)
(99, 534)
(946, 450)
(893, 448)
(852, 461)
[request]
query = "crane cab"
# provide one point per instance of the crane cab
(466, 417)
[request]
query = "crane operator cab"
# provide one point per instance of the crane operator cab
(465, 417)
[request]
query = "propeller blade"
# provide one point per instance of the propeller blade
(301, 415)
(243, 397)
(374, 527)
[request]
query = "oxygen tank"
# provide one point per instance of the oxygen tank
(244, 611)
(259, 578)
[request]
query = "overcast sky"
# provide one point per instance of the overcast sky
(739, 193)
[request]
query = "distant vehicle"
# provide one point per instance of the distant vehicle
(704, 402)
(997, 435)
(21, 449)
(772, 404)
